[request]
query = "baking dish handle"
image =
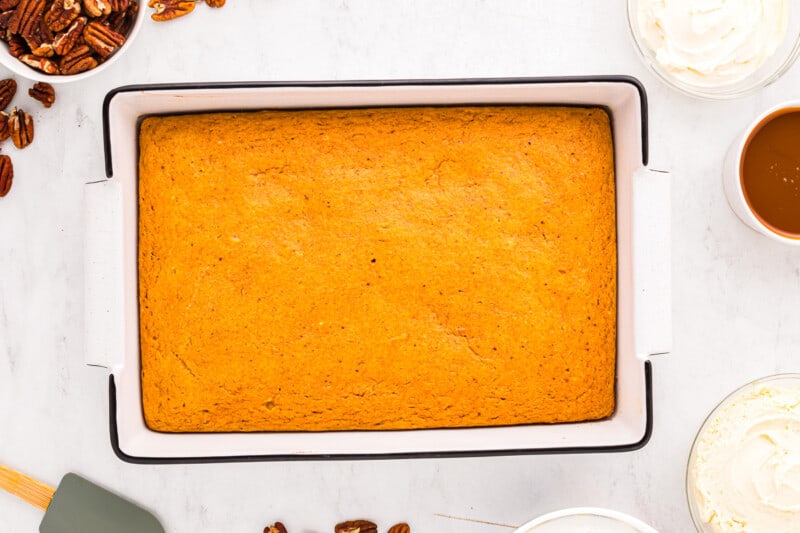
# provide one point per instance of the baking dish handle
(652, 262)
(103, 280)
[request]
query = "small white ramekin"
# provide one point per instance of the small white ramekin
(732, 177)
(601, 517)
(21, 69)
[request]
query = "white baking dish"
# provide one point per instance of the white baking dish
(644, 316)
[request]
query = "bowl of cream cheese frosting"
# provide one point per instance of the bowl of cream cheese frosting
(718, 49)
(744, 467)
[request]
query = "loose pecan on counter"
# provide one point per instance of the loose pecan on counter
(400, 528)
(356, 526)
(5, 131)
(20, 124)
(215, 3)
(170, 9)
(278, 527)
(6, 175)
(43, 92)
(8, 88)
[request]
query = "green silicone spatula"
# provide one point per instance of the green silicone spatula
(79, 506)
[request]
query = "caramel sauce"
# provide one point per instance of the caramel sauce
(771, 172)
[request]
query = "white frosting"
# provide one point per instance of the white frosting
(712, 43)
(747, 464)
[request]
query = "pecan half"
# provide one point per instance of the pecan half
(97, 8)
(122, 21)
(68, 38)
(78, 59)
(5, 131)
(42, 50)
(40, 40)
(26, 17)
(170, 9)
(356, 526)
(20, 124)
(48, 66)
(17, 46)
(5, 19)
(8, 4)
(43, 92)
(215, 3)
(6, 175)
(8, 88)
(102, 39)
(61, 14)
(120, 5)
(276, 528)
(400, 528)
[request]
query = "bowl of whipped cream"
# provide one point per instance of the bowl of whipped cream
(717, 49)
(744, 466)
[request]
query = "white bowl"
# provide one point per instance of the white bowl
(772, 69)
(733, 183)
(787, 380)
(18, 67)
(590, 519)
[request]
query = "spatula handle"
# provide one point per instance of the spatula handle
(34, 492)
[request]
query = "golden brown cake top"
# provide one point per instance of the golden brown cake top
(377, 268)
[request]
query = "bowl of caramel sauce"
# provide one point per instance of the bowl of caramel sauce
(762, 174)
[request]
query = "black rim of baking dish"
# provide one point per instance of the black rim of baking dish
(370, 83)
(114, 434)
(112, 395)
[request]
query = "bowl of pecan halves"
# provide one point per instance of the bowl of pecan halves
(65, 40)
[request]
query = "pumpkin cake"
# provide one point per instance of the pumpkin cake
(376, 269)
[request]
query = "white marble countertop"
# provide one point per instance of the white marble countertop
(736, 294)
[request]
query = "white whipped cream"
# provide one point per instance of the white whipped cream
(712, 43)
(747, 464)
